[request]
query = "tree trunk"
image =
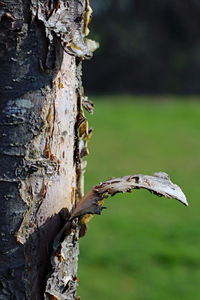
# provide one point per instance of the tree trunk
(42, 46)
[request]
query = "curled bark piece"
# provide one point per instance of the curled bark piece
(69, 21)
(62, 282)
(160, 184)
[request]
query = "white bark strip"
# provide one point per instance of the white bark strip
(69, 20)
(160, 184)
(62, 283)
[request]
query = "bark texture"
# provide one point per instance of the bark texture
(159, 184)
(43, 135)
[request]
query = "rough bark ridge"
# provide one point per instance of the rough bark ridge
(44, 134)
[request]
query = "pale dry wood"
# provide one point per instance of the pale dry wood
(92, 203)
(160, 184)
(63, 281)
(39, 152)
(69, 21)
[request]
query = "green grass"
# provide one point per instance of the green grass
(143, 247)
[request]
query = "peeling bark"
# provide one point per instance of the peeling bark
(44, 136)
(92, 203)
(41, 149)
(63, 280)
(159, 184)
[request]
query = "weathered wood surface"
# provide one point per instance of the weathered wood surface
(159, 184)
(42, 46)
(63, 280)
(44, 135)
(92, 203)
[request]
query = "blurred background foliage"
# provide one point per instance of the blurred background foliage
(144, 247)
(146, 47)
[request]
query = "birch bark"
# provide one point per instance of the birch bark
(42, 46)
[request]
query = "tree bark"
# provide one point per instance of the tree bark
(43, 138)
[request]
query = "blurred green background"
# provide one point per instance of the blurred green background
(142, 246)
